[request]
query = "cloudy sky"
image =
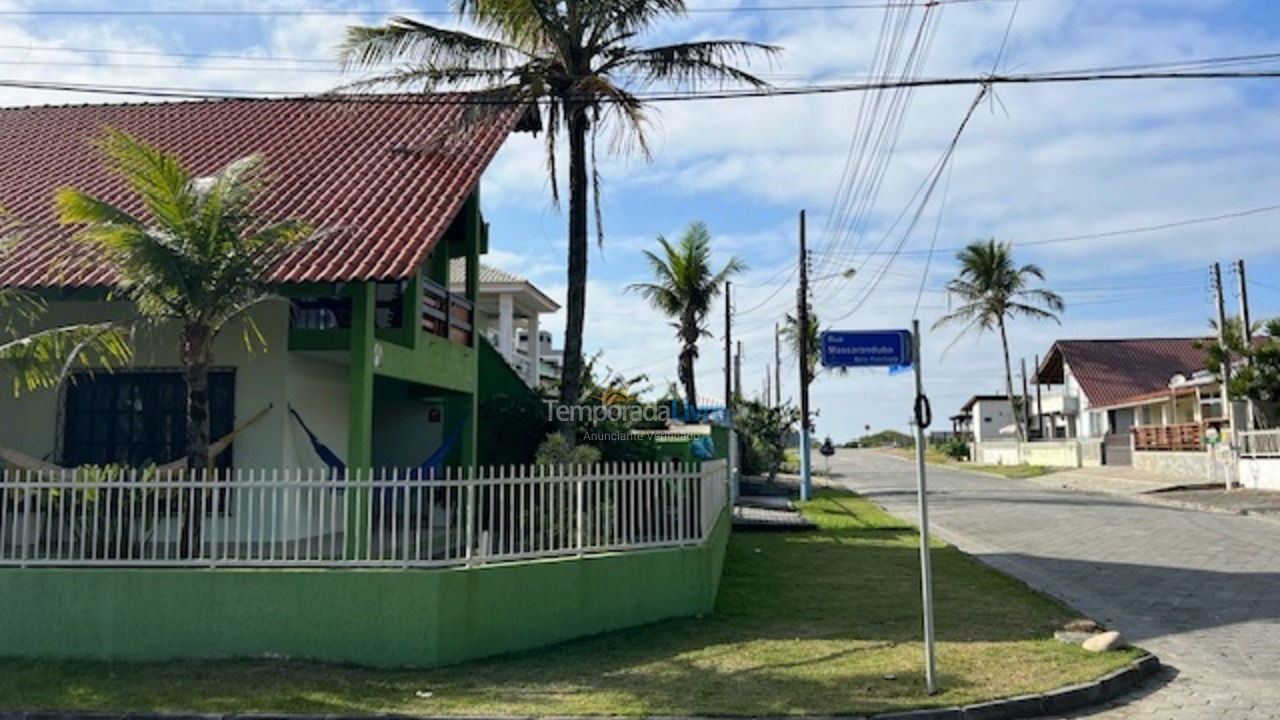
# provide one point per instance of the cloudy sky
(1035, 163)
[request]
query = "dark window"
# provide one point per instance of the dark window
(138, 418)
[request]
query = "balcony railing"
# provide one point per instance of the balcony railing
(447, 315)
(298, 518)
(1183, 436)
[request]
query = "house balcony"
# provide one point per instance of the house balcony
(1168, 438)
(1058, 404)
(323, 322)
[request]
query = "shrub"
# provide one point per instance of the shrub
(555, 451)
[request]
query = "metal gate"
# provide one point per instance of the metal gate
(1116, 449)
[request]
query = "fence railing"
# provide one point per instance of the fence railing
(1259, 443)
(300, 518)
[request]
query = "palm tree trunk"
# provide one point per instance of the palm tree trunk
(571, 379)
(1008, 384)
(687, 354)
(195, 353)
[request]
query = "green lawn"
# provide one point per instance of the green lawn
(937, 457)
(824, 622)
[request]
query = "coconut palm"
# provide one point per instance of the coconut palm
(573, 62)
(198, 256)
(40, 359)
(684, 288)
(791, 335)
(992, 290)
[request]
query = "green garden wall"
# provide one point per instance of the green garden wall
(384, 617)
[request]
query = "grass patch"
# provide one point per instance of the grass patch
(937, 457)
(824, 622)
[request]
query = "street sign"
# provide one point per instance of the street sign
(866, 348)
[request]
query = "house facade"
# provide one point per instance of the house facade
(368, 350)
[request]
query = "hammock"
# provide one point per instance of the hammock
(432, 465)
(15, 460)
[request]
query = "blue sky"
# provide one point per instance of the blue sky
(1042, 162)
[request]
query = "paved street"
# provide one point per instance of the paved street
(1201, 590)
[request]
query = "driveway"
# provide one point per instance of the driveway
(1201, 590)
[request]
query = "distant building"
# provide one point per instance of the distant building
(507, 314)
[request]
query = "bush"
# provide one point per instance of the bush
(955, 448)
(555, 451)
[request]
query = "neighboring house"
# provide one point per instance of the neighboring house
(989, 418)
(507, 312)
(373, 351)
(1100, 390)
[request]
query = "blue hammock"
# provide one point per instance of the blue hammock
(433, 464)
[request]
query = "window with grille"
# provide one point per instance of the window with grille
(139, 418)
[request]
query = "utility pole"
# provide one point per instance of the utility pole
(1026, 401)
(802, 327)
(777, 365)
(728, 388)
(1040, 407)
(737, 373)
(1226, 365)
(1246, 330)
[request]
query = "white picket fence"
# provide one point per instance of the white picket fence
(1259, 443)
(294, 518)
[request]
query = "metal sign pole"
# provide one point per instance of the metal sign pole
(922, 411)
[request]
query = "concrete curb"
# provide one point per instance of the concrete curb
(1062, 700)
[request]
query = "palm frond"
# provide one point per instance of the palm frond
(691, 64)
(404, 39)
(44, 359)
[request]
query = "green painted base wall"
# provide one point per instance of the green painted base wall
(372, 617)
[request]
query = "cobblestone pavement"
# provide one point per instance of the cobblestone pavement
(1200, 590)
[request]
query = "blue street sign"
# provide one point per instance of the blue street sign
(866, 348)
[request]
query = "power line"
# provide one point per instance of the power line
(410, 11)
(1124, 231)
(662, 96)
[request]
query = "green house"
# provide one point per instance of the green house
(368, 349)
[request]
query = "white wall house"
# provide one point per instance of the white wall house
(507, 314)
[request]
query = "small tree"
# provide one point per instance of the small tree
(198, 256)
(1255, 372)
(765, 434)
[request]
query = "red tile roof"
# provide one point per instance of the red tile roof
(375, 174)
(1111, 371)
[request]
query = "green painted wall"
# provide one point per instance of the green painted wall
(372, 617)
(512, 418)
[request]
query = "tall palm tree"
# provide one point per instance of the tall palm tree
(992, 290)
(574, 62)
(684, 288)
(39, 359)
(197, 257)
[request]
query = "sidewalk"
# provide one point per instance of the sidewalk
(1164, 490)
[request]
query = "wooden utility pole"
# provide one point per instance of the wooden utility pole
(1040, 407)
(1026, 401)
(737, 373)
(1246, 330)
(802, 334)
(1226, 368)
(777, 365)
(728, 345)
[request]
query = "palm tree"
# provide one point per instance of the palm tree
(791, 334)
(684, 289)
(43, 358)
(992, 291)
(198, 257)
(575, 63)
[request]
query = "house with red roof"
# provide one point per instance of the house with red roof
(1128, 398)
(370, 355)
